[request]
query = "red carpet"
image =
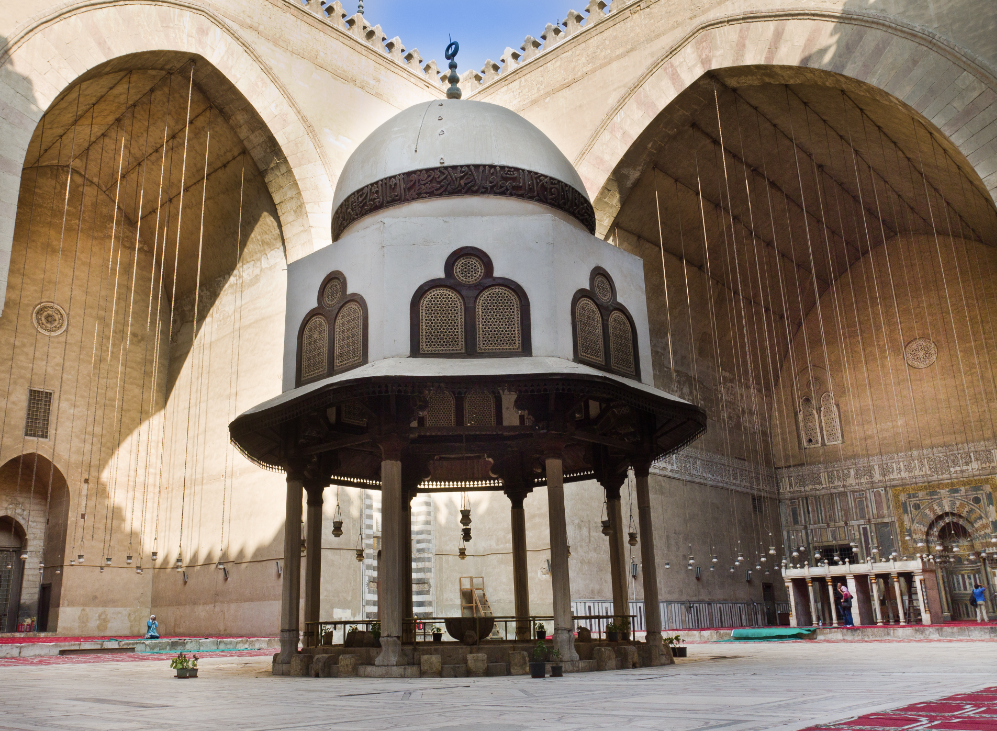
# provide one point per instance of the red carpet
(975, 711)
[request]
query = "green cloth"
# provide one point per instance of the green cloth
(774, 633)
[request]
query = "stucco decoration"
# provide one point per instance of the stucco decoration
(461, 180)
(921, 353)
(50, 319)
(971, 501)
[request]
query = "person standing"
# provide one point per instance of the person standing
(980, 599)
(846, 605)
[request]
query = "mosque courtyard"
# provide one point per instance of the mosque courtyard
(728, 685)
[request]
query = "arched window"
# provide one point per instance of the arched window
(441, 322)
(470, 312)
(333, 335)
(588, 331)
(621, 343)
(498, 321)
(830, 419)
(442, 409)
(601, 323)
(315, 348)
(349, 336)
(479, 409)
(809, 425)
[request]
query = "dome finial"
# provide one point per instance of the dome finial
(451, 53)
(360, 8)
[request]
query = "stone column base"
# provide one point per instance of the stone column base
(564, 640)
(391, 651)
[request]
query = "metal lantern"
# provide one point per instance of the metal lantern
(465, 535)
(359, 554)
(633, 538)
(462, 553)
(79, 558)
(771, 550)
(107, 560)
(337, 519)
(128, 558)
(155, 555)
(668, 564)
(606, 529)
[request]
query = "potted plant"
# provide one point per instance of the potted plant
(676, 644)
(556, 668)
(624, 627)
(437, 634)
(375, 632)
(538, 665)
(186, 667)
(540, 630)
(613, 632)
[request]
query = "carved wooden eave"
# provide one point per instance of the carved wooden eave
(589, 416)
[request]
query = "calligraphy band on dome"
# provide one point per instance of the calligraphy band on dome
(446, 181)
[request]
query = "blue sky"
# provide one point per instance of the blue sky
(482, 27)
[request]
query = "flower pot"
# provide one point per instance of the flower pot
(438, 637)
(679, 652)
(538, 669)
(192, 673)
(183, 672)
(541, 634)
(613, 636)
(625, 636)
(557, 671)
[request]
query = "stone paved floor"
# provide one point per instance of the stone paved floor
(733, 686)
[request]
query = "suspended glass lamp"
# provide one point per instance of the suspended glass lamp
(128, 558)
(79, 558)
(41, 567)
(179, 562)
(607, 529)
(155, 555)
(24, 556)
(337, 519)
(668, 564)
(107, 560)
(220, 564)
(461, 549)
(360, 554)
(633, 538)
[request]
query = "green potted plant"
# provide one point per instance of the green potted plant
(675, 643)
(613, 632)
(186, 667)
(540, 630)
(437, 634)
(375, 632)
(556, 668)
(538, 665)
(624, 627)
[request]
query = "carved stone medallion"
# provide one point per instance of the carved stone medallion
(50, 319)
(921, 353)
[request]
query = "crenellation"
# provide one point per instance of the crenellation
(336, 15)
(376, 37)
(530, 48)
(509, 60)
(551, 36)
(470, 79)
(489, 72)
(433, 73)
(596, 10)
(396, 50)
(413, 60)
(572, 23)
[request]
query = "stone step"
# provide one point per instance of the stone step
(455, 671)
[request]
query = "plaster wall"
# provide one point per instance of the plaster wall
(387, 258)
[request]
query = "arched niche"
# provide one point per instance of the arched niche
(34, 503)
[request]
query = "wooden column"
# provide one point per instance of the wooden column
(391, 594)
(313, 565)
(830, 594)
(900, 599)
(290, 599)
(814, 621)
(877, 611)
(652, 607)
(520, 572)
(564, 636)
(617, 553)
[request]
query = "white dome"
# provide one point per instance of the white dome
(445, 133)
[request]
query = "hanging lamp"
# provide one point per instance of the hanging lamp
(337, 519)
(465, 518)
(461, 549)
(607, 528)
(360, 552)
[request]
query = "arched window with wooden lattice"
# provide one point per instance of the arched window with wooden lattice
(621, 343)
(333, 335)
(479, 408)
(315, 348)
(604, 334)
(809, 424)
(348, 337)
(588, 332)
(470, 312)
(441, 322)
(830, 419)
(498, 321)
(442, 410)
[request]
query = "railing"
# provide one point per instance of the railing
(687, 615)
(419, 629)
